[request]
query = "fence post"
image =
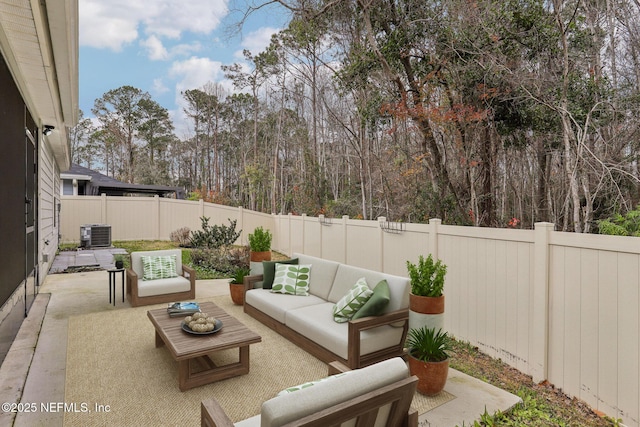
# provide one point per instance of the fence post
(381, 219)
(434, 223)
(240, 224)
(302, 238)
(156, 216)
(539, 330)
(345, 218)
(103, 208)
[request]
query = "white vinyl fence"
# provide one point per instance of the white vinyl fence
(558, 306)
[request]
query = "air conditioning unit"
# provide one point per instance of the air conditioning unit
(95, 236)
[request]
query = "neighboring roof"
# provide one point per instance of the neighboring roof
(106, 184)
(39, 41)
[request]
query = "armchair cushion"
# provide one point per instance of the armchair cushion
(159, 267)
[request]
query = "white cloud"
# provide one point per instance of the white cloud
(155, 49)
(118, 22)
(158, 87)
(257, 41)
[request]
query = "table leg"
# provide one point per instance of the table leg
(109, 288)
(122, 277)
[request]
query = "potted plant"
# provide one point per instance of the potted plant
(260, 245)
(119, 261)
(236, 285)
(426, 299)
(429, 358)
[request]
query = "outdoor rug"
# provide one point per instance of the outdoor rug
(116, 376)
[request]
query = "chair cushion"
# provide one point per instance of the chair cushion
(324, 271)
(292, 406)
(292, 279)
(377, 303)
(136, 259)
(349, 304)
(159, 267)
(269, 271)
(148, 288)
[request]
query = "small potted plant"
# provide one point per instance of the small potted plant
(236, 285)
(260, 245)
(429, 358)
(119, 261)
(427, 284)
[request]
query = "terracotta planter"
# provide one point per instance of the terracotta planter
(426, 305)
(237, 293)
(432, 376)
(260, 256)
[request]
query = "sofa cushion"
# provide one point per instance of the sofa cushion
(314, 322)
(292, 279)
(269, 271)
(349, 304)
(377, 302)
(292, 406)
(346, 276)
(159, 267)
(148, 288)
(275, 305)
(324, 271)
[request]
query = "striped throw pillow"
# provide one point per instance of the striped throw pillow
(349, 304)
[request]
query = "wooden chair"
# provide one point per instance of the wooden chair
(392, 401)
(163, 290)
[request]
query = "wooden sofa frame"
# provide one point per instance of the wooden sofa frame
(354, 359)
(135, 300)
(363, 408)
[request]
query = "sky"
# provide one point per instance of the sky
(166, 46)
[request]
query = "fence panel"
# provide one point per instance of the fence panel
(558, 306)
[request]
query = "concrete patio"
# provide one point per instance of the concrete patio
(34, 369)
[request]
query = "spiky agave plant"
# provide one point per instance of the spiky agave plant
(427, 345)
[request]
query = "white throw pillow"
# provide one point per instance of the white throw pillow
(291, 279)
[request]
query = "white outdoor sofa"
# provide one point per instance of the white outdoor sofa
(308, 321)
(145, 292)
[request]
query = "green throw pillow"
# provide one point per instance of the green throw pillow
(349, 304)
(269, 271)
(292, 279)
(377, 303)
(159, 267)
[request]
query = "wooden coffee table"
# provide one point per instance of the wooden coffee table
(195, 367)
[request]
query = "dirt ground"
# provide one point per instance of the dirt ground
(544, 405)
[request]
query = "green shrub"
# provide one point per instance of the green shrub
(260, 240)
(619, 225)
(214, 236)
(427, 278)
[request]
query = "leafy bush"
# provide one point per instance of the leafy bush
(214, 236)
(427, 278)
(181, 236)
(619, 225)
(221, 260)
(260, 240)
(238, 275)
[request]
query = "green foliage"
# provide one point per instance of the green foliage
(214, 236)
(238, 275)
(260, 240)
(622, 225)
(427, 345)
(427, 277)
